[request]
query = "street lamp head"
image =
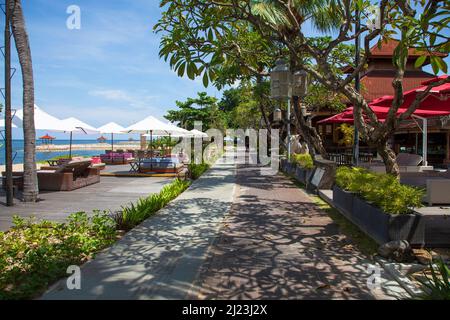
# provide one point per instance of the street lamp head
(277, 115)
(300, 84)
(280, 81)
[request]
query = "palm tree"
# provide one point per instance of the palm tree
(30, 187)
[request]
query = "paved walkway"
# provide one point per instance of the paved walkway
(277, 244)
(110, 194)
(160, 258)
(235, 234)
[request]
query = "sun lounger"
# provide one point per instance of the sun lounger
(160, 165)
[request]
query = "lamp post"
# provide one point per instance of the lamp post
(281, 89)
(357, 89)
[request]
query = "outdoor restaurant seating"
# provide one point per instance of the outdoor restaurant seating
(67, 176)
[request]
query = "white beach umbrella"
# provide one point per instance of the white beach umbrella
(153, 126)
(42, 120)
(74, 125)
(177, 131)
(150, 125)
(111, 128)
(77, 126)
(198, 134)
(2, 122)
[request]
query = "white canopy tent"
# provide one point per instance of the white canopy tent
(111, 128)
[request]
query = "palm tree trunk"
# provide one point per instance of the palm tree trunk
(30, 186)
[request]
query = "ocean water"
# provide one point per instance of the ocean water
(42, 156)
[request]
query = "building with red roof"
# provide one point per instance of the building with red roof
(376, 83)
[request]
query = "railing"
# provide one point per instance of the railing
(346, 158)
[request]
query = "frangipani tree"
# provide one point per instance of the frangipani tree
(208, 34)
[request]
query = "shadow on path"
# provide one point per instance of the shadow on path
(277, 244)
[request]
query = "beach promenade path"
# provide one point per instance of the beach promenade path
(276, 243)
(160, 258)
(110, 194)
(234, 234)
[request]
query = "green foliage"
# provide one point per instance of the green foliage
(438, 286)
(199, 40)
(203, 108)
(241, 106)
(132, 215)
(382, 190)
(347, 134)
(163, 142)
(303, 160)
(426, 29)
(35, 254)
(196, 170)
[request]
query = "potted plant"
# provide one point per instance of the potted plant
(304, 166)
(379, 205)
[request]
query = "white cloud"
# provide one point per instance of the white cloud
(116, 95)
(137, 100)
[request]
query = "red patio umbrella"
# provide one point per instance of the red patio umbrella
(436, 100)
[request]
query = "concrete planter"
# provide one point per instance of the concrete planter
(283, 163)
(287, 167)
(381, 226)
(303, 175)
(437, 231)
(343, 200)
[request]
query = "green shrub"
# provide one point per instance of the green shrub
(196, 170)
(438, 286)
(132, 215)
(35, 254)
(303, 160)
(382, 190)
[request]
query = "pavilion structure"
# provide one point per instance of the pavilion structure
(101, 139)
(47, 139)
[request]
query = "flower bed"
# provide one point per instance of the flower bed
(380, 205)
(33, 255)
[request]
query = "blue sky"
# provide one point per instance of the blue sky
(107, 71)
